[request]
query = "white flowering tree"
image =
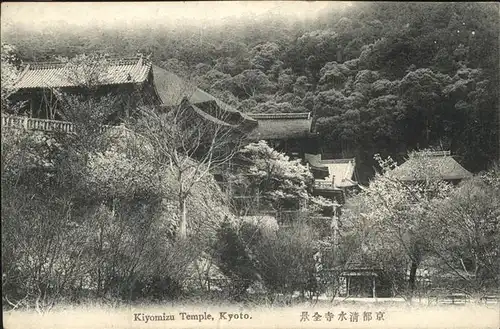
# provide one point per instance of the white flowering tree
(9, 72)
(280, 182)
(189, 144)
(390, 217)
(466, 231)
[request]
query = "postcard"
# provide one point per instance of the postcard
(250, 164)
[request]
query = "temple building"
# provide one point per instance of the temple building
(40, 85)
(333, 178)
(138, 82)
(431, 164)
(134, 82)
(290, 133)
(359, 280)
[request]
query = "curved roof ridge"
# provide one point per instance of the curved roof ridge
(43, 65)
(209, 117)
(168, 85)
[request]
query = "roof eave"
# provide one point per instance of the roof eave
(81, 86)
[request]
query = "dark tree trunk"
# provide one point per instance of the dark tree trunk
(413, 277)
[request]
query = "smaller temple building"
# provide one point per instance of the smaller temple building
(290, 133)
(431, 164)
(333, 178)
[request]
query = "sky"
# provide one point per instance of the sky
(43, 14)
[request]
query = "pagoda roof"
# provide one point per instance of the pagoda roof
(60, 74)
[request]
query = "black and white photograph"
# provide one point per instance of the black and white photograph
(250, 164)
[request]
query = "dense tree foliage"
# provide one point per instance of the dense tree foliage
(269, 180)
(380, 77)
(9, 73)
(279, 181)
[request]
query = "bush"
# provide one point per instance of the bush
(285, 260)
(233, 259)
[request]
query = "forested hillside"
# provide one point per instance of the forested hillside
(379, 77)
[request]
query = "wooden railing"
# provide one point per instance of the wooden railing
(318, 184)
(12, 121)
(36, 124)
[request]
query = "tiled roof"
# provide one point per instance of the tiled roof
(340, 171)
(58, 75)
(172, 89)
(424, 164)
(280, 126)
